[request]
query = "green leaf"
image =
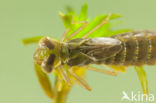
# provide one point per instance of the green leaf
(44, 81)
(31, 40)
(66, 19)
(143, 79)
(69, 9)
(115, 16)
(100, 32)
(70, 19)
(83, 12)
(120, 31)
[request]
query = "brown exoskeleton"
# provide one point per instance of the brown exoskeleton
(127, 49)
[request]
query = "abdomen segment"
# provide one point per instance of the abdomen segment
(138, 48)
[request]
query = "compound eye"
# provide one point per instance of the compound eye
(51, 59)
(47, 43)
(47, 65)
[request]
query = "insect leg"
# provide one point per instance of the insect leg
(64, 74)
(44, 81)
(80, 80)
(91, 58)
(98, 26)
(85, 23)
(112, 73)
(65, 34)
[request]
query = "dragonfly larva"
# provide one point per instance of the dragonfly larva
(132, 48)
(135, 48)
(127, 49)
(69, 57)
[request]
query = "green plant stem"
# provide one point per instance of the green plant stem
(61, 95)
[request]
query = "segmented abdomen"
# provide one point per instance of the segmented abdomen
(138, 48)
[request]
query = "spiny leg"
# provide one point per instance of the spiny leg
(64, 74)
(108, 72)
(98, 26)
(91, 58)
(65, 34)
(112, 73)
(85, 23)
(76, 32)
(80, 80)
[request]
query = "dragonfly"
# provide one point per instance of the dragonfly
(134, 48)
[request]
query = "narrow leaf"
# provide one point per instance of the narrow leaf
(143, 79)
(31, 40)
(44, 81)
(83, 12)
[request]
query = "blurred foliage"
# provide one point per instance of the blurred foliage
(104, 30)
(71, 15)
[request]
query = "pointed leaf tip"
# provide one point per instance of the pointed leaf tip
(83, 12)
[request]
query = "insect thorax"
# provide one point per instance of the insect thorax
(92, 50)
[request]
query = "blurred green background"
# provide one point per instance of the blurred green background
(26, 18)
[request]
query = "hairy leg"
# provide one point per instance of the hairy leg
(85, 23)
(80, 80)
(64, 75)
(108, 72)
(65, 34)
